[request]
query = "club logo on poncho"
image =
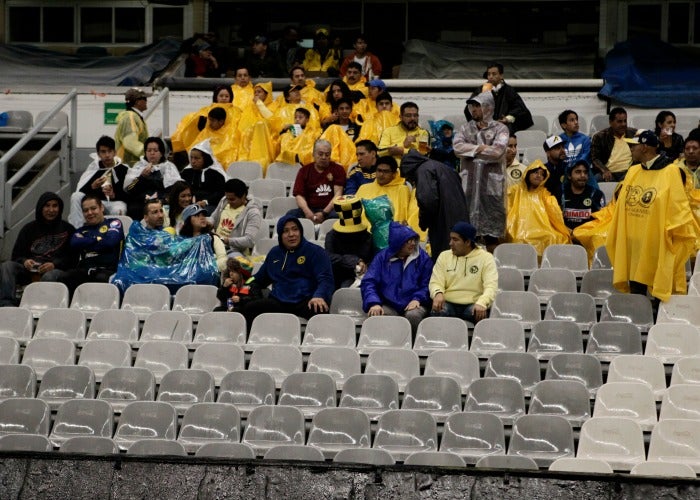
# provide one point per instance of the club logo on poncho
(648, 197)
(301, 260)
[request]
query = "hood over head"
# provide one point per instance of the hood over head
(280, 225)
(398, 235)
(532, 166)
(43, 199)
(267, 87)
(205, 147)
(487, 103)
(410, 163)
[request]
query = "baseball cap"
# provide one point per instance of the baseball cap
(133, 94)
(377, 82)
(322, 32)
(289, 89)
(552, 142)
(191, 211)
(647, 137)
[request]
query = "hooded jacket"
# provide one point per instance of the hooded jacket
(130, 135)
(469, 279)
(394, 281)
(248, 224)
(507, 102)
(45, 241)
(208, 183)
(299, 274)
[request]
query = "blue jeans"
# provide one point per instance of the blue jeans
(462, 311)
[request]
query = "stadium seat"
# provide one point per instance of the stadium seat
(664, 470)
(90, 445)
(601, 260)
(494, 335)
(572, 306)
(571, 257)
(676, 440)
(628, 308)
(42, 354)
(461, 365)
(400, 364)
(82, 417)
(266, 189)
(63, 383)
(523, 307)
(373, 394)
(338, 362)
(554, 336)
(101, 355)
(694, 283)
(510, 279)
(631, 400)
(195, 300)
(541, 123)
(384, 332)
(18, 121)
(247, 390)
(17, 381)
(285, 172)
(608, 189)
(121, 386)
(617, 440)
(264, 245)
(439, 396)
(565, 398)
(681, 401)
(239, 451)
(16, 323)
(643, 369)
(25, 442)
(598, 123)
(160, 326)
(223, 326)
(278, 207)
(209, 422)
(156, 447)
(502, 397)
(143, 299)
(336, 429)
(583, 368)
(521, 256)
(598, 284)
(161, 357)
(294, 452)
(24, 416)
(531, 138)
(92, 298)
(9, 351)
(114, 324)
(402, 432)
(61, 324)
(681, 309)
(245, 170)
(269, 426)
(348, 302)
(145, 420)
(183, 388)
(310, 392)
(609, 339)
(532, 153)
(519, 366)
(581, 465)
(42, 295)
(473, 435)
(324, 228)
(506, 462)
(436, 333)
(546, 282)
(274, 329)
(543, 438)
(126, 222)
(324, 330)
(277, 360)
(686, 371)
(218, 359)
(435, 459)
(368, 456)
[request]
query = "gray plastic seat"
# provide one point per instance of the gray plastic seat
(510, 279)
(16, 323)
(324, 228)
(373, 394)
(264, 245)
(523, 307)
(567, 256)
(63, 383)
(543, 438)
(519, 366)
(642, 369)
(122, 386)
(521, 256)
(218, 359)
(274, 329)
(245, 170)
(682, 309)
(664, 470)
(492, 335)
(92, 298)
(277, 360)
(598, 284)
(669, 342)
(42, 295)
(576, 307)
(90, 445)
(266, 189)
(18, 121)
(101, 355)
(348, 302)
(310, 392)
(42, 354)
(209, 422)
(338, 362)
(507, 462)
(328, 330)
(143, 299)
(502, 397)
(402, 432)
(554, 336)
(183, 388)
(586, 465)
(114, 324)
(82, 417)
(24, 416)
(294, 452)
(565, 398)
(196, 300)
(617, 440)
(156, 447)
(435, 459)
(681, 401)
(277, 207)
(610, 339)
(220, 327)
(437, 332)
(336, 429)
(239, 451)
(384, 332)
(601, 260)
(631, 400)
(439, 396)
(9, 351)
(160, 357)
(17, 381)
(686, 371)
(676, 440)
(173, 326)
(145, 420)
(473, 435)
(546, 282)
(25, 442)
(285, 172)
(400, 364)
(247, 390)
(460, 365)
(61, 324)
(583, 368)
(628, 308)
(368, 456)
(269, 426)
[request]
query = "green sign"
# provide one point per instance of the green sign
(112, 109)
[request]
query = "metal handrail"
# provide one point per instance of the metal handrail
(164, 98)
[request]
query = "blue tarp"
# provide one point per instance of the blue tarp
(652, 74)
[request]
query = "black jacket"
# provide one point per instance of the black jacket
(508, 102)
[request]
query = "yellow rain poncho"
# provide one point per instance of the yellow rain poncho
(309, 94)
(187, 132)
(403, 201)
(374, 125)
(284, 115)
(242, 95)
(592, 234)
(534, 217)
(300, 148)
(129, 136)
(343, 152)
(257, 142)
(226, 140)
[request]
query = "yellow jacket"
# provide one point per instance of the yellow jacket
(402, 200)
(470, 279)
(313, 62)
(129, 137)
(343, 149)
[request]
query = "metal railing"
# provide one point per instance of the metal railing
(163, 98)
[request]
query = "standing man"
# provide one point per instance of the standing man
(576, 144)
(406, 135)
(653, 232)
(260, 62)
(556, 164)
(610, 153)
(482, 143)
(366, 169)
(370, 66)
(132, 130)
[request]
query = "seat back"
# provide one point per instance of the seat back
(16, 323)
(510, 279)
(473, 435)
(82, 417)
(372, 393)
(161, 356)
(145, 420)
(209, 422)
(24, 416)
(196, 300)
(63, 383)
(492, 335)
(277, 360)
(565, 398)
(219, 359)
(42, 354)
(121, 386)
(382, 332)
(554, 336)
(546, 282)
(89, 445)
(572, 306)
(183, 388)
(94, 297)
(156, 447)
(334, 429)
(173, 326)
(17, 381)
(682, 309)
(543, 438)
(247, 389)
(441, 333)
(520, 366)
(628, 308)
(42, 295)
(9, 351)
(400, 364)
(598, 284)
(501, 396)
(617, 440)
(309, 392)
(114, 324)
(522, 256)
(626, 399)
(325, 330)
(275, 329)
(610, 339)
(268, 426)
(583, 368)
(668, 342)
(571, 257)
(460, 365)
(338, 362)
(146, 298)
(245, 170)
(102, 355)
(523, 307)
(402, 432)
(221, 326)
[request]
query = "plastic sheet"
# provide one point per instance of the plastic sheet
(380, 213)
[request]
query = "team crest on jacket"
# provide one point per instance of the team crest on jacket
(516, 174)
(301, 260)
(103, 229)
(474, 269)
(587, 202)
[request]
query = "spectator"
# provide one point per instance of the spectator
(581, 198)
(285, 49)
(238, 219)
(396, 283)
(41, 251)
(309, 93)
(670, 143)
(284, 114)
(235, 292)
(576, 144)
(195, 224)
(406, 135)
(342, 135)
(321, 59)
(442, 149)
(205, 176)
(221, 131)
(300, 274)
(370, 66)
(556, 164)
(201, 62)
(154, 217)
(260, 61)
(132, 130)
(389, 183)
(336, 91)
(610, 154)
(366, 108)
(691, 159)
(355, 81)
(382, 117)
(297, 139)
(464, 282)
(341, 114)
(180, 198)
(514, 169)
(242, 88)
(366, 169)
(223, 94)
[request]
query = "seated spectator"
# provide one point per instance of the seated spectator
(221, 130)
(341, 113)
(355, 81)
(383, 116)
(256, 138)
(41, 252)
(151, 177)
(309, 93)
(342, 134)
(284, 114)
(321, 59)
(336, 91)
(300, 273)
(317, 184)
(104, 179)
(514, 169)
(205, 176)
(691, 159)
(179, 199)
(388, 182)
(370, 65)
(610, 154)
(396, 282)
(237, 219)
(348, 243)
(534, 215)
(154, 217)
(464, 282)
(581, 198)
(235, 292)
(441, 148)
(670, 143)
(556, 164)
(576, 144)
(242, 88)
(297, 139)
(260, 62)
(397, 140)
(201, 62)
(367, 107)
(98, 243)
(366, 169)
(195, 224)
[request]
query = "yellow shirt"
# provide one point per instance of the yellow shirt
(620, 156)
(396, 135)
(399, 195)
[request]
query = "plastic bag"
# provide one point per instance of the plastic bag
(380, 213)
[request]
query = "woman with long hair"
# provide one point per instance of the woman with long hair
(670, 142)
(180, 198)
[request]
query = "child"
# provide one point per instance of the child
(235, 293)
